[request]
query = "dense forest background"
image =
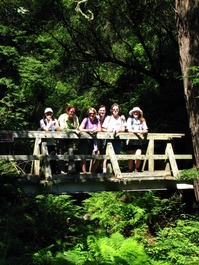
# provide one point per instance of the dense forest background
(88, 53)
(57, 53)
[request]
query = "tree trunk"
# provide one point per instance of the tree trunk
(187, 21)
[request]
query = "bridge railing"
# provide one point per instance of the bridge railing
(148, 170)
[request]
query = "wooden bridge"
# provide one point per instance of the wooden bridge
(159, 171)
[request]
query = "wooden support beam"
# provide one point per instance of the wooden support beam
(174, 167)
(111, 153)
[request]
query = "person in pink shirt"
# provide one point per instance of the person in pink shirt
(91, 125)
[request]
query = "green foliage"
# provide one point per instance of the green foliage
(189, 174)
(50, 229)
(194, 75)
(8, 167)
(104, 250)
(112, 212)
(38, 226)
(166, 210)
(116, 250)
(54, 56)
(44, 256)
(51, 55)
(177, 244)
(130, 213)
(71, 257)
(57, 208)
(12, 107)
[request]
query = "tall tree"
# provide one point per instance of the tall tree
(187, 19)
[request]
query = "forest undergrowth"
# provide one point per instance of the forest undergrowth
(98, 228)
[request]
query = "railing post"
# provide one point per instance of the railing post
(36, 163)
(151, 152)
(47, 168)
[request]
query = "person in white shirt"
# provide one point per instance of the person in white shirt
(103, 118)
(115, 124)
(136, 123)
(50, 124)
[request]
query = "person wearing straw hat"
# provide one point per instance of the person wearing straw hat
(136, 123)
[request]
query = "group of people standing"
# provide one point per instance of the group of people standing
(93, 123)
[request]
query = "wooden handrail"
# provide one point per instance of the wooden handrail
(99, 135)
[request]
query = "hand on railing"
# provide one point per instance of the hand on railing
(77, 132)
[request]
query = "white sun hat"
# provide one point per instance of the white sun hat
(136, 109)
(48, 110)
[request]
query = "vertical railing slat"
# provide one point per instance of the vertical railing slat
(36, 163)
(47, 168)
(151, 152)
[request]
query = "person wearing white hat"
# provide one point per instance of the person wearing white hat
(136, 123)
(49, 123)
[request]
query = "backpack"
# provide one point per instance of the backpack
(40, 129)
(132, 121)
(86, 123)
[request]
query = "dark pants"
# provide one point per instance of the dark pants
(53, 163)
(66, 146)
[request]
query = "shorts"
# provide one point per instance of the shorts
(102, 146)
(116, 146)
(133, 147)
(86, 147)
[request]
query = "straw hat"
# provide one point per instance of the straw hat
(136, 109)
